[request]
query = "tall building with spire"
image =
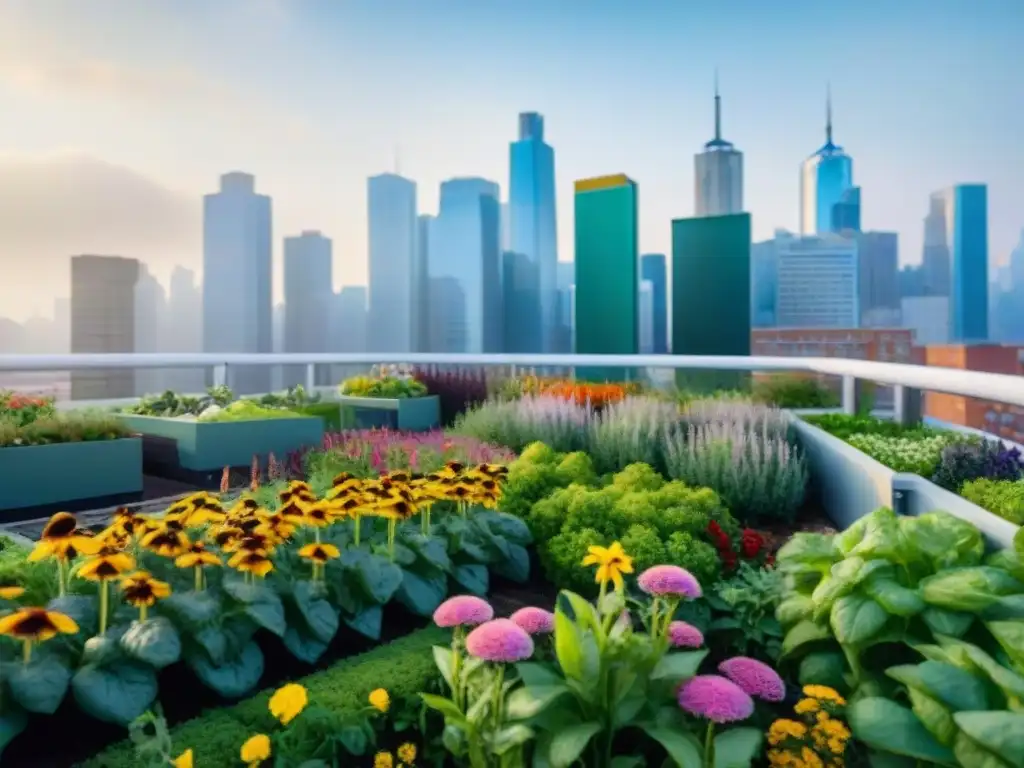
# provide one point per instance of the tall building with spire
(718, 173)
(825, 179)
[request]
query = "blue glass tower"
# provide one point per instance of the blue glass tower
(652, 267)
(533, 236)
(965, 211)
(825, 178)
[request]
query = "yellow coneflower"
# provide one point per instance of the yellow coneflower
(612, 562)
(243, 507)
(318, 555)
(35, 625)
(62, 540)
(11, 591)
(209, 512)
(107, 564)
(142, 591)
(294, 510)
(492, 471)
(167, 541)
(276, 527)
(197, 558)
(225, 536)
(452, 468)
(407, 753)
(127, 523)
(114, 537)
(254, 541)
(251, 563)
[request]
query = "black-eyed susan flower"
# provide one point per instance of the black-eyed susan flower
(380, 700)
(255, 750)
(35, 625)
(9, 591)
(318, 515)
(251, 563)
(168, 540)
(197, 557)
(207, 513)
(106, 564)
(125, 523)
(225, 536)
(142, 591)
(288, 702)
(318, 554)
(63, 540)
(253, 541)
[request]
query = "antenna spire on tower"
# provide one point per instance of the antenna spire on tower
(828, 113)
(718, 110)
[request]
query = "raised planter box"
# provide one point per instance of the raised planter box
(61, 473)
(852, 484)
(416, 414)
(209, 446)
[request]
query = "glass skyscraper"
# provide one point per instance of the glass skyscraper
(607, 272)
(308, 300)
(652, 267)
(825, 178)
(965, 215)
(718, 173)
(532, 234)
(391, 208)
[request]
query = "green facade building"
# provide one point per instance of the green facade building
(711, 295)
(607, 271)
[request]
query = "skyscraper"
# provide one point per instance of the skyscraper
(308, 300)
(533, 234)
(421, 284)
(564, 323)
(718, 173)
(464, 247)
(237, 277)
(103, 321)
(878, 278)
(935, 264)
(652, 267)
(349, 312)
(391, 209)
(150, 311)
(846, 213)
(184, 328)
(607, 273)
(711, 293)
(965, 215)
(824, 179)
(817, 285)
(764, 278)
(645, 317)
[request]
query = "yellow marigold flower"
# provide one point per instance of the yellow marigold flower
(784, 727)
(824, 693)
(806, 706)
(380, 700)
(288, 702)
(810, 758)
(36, 624)
(184, 760)
(407, 753)
(611, 563)
(11, 592)
(255, 750)
(822, 717)
(779, 757)
(835, 729)
(837, 746)
(383, 760)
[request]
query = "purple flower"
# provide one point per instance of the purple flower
(683, 635)
(463, 611)
(717, 699)
(500, 640)
(535, 621)
(669, 580)
(754, 677)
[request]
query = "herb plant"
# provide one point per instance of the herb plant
(743, 613)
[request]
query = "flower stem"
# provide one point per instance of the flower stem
(457, 669)
(709, 745)
(104, 604)
(26, 651)
(391, 539)
(199, 578)
(499, 683)
(143, 611)
(357, 522)
(61, 580)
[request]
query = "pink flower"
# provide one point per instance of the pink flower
(669, 580)
(754, 677)
(463, 611)
(500, 640)
(683, 635)
(535, 621)
(717, 699)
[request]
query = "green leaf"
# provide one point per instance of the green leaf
(262, 604)
(516, 566)
(814, 549)
(823, 668)
(444, 661)
(855, 619)
(626, 761)
(534, 673)
(303, 645)
(368, 622)
(968, 589)
(320, 616)
(1001, 733)
(886, 726)
(115, 693)
(841, 579)
(508, 526)
(191, 609)
(946, 541)
(445, 706)
(527, 701)
(1008, 681)
(40, 685)
(678, 666)
(213, 641)
(154, 642)
(1010, 635)
(934, 715)
(803, 634)
(957, 689)
(421, 594)
(944, 622)
(473, 578)
(101, 649)
(234, 678)
(568, 743)
(431, 551)
(377, 578)
(83, 609)
(737, 747)
(970, 753)
(13, 720)
(1009, 607)
(510, 737)
(894, 597)
(681, 746)
(794, 608)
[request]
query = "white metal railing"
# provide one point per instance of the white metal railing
(908, 380)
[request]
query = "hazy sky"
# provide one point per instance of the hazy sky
(117, 116)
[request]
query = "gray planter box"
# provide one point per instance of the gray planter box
(37, 475)
(853, 484)
(416, 414)
(209, 446)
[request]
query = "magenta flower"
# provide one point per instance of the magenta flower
(683, 635)
(463, 611)
(669, 581)
(716, 698)
(754, 677)
(500, 640)
(535, 621)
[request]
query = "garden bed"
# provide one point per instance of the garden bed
(407, 414)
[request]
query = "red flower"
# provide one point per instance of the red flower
(751, 544)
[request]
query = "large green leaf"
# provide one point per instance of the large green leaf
(319, 615)
(934, 715)
(234, 678)
(823, 668)
(568, 743)
(191, 609)
(376, 577)
(40, 685)
(885, 725)
(83, 609)
(894, 597)
(13, 721)
(812, 549)
(1001, 733)
(1010, 635)
(422, 594)
(262, 604)
(473, 578)
(1008, 607)
(516, 565)
(213, 641)
(1008, 681)
(802, 635)
(507, 526)
(944, 540)
(841, 580)
(794, 608)
(368, 622)
(528, 701)
(154, 642)
(510, 737)
(737, 747)
(683, 749)
(678, 666)
(945, 622)
(957, 689)
(968, 589)
(856, 618)
(115, 693)
(303, 645)
(431, 551)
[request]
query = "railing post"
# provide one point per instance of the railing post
(220, 375)
(907, 405)
(310, 376)
(851, 395)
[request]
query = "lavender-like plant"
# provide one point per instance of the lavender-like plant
(632, 430)
(562, 425)
(749, 416)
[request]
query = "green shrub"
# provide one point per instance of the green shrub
(918, 454)
(526, 485)
(698, 557)
(63, 427)
(562, 555)
(843, 426)
(787, 390)
(642, 543)
(1000, 497)
(577, 467)
(403, 667)
(246, 410)
(638, 477)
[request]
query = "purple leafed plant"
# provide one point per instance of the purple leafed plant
(963, 462)
(458, 389)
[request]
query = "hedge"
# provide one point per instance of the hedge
(403, 667)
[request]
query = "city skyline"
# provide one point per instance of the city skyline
(226, 104)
